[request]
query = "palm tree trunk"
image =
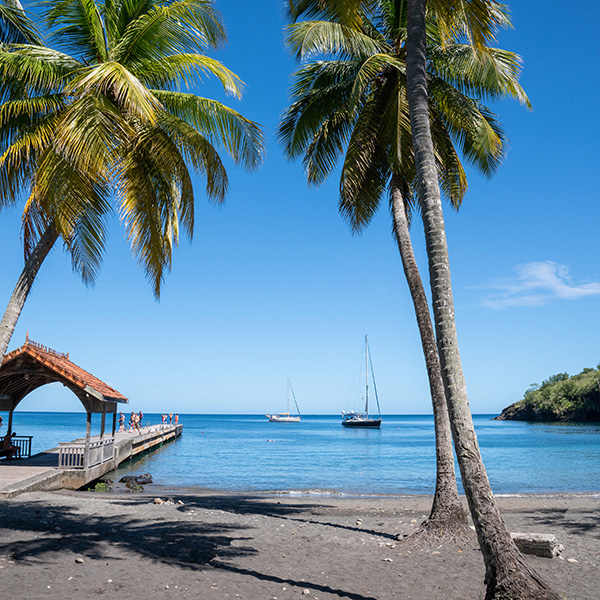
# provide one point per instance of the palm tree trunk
(447, 513)
(23, 287)
(507, 575)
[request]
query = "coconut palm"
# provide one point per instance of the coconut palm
(357, 102)
(473, 21)
(105, 127)
(507, 574)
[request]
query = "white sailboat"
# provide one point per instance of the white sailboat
(363, 419)
(286, 417)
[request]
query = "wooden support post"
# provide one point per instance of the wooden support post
(10, 417)
(88, 430)
(102, 424)
(114, 424)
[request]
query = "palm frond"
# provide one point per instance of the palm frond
(16, 27)
(181, 26)
(308, 39)
(222, 125)
(490, 73)
(169, 71)
(79, 25)
(115, 82)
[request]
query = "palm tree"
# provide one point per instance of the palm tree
(105, 125)
(358, 102)
(507, 575)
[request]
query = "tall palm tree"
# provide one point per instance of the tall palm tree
(106, 125)
(507, 574)
(357, 101)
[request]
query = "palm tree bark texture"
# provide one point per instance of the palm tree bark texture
(507, 574)
(447, 513)
(23, 287)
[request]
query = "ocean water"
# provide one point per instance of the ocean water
(318, 455)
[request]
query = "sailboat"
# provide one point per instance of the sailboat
(286, 417)
(363, 419)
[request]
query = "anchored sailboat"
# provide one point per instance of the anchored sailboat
(286, 417)
(363, 419)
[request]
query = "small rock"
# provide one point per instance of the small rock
(109, 581)
(179, 502)
(388, 560)
(572, 560)
(305, 592)
(79, 561)
(358, 522)
(158, 501)
(435, 552)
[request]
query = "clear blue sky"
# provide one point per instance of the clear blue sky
(275, 285)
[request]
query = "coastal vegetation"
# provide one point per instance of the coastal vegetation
(559, 398)
(95, 123)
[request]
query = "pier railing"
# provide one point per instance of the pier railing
(73, 456)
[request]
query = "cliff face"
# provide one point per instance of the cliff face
(559, 398)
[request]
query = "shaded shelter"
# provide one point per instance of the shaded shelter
(34, 365)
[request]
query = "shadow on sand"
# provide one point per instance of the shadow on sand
(182, 544)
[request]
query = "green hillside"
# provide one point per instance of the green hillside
(559, 398)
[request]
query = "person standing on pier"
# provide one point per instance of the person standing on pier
(170, 418)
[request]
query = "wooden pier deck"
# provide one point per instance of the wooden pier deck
(42, 471)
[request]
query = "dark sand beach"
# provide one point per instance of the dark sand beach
(214, 546)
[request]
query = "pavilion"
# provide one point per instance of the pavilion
(33, 365)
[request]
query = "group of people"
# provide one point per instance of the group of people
(170, 417)
(135, 421)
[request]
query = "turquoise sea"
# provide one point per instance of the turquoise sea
(318, 455)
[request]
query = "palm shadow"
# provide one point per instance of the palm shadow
(197, 546)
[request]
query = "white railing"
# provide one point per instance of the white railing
(72, 455)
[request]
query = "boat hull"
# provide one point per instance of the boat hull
(371, 423)
(278, 419)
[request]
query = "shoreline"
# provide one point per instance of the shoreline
(253, 546)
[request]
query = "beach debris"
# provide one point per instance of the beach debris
(544, 545)
(359, 522)
(305, 592)
(158, 501)
(572, 560)
(79, 560)
(388, 560)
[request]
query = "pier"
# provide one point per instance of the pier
(62, 467)
(71, 465)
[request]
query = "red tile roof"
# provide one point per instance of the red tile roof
(60, 364)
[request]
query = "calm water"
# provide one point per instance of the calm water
(247, 453)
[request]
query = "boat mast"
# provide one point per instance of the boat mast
(366, 377)
(288, 395)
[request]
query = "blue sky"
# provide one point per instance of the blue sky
(274, 285)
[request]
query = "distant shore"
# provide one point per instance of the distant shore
(216, 546)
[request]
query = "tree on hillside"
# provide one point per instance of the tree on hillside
(97, 124)
(356, 102)
(507, 574)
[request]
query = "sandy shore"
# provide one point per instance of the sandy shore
(209, 546)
